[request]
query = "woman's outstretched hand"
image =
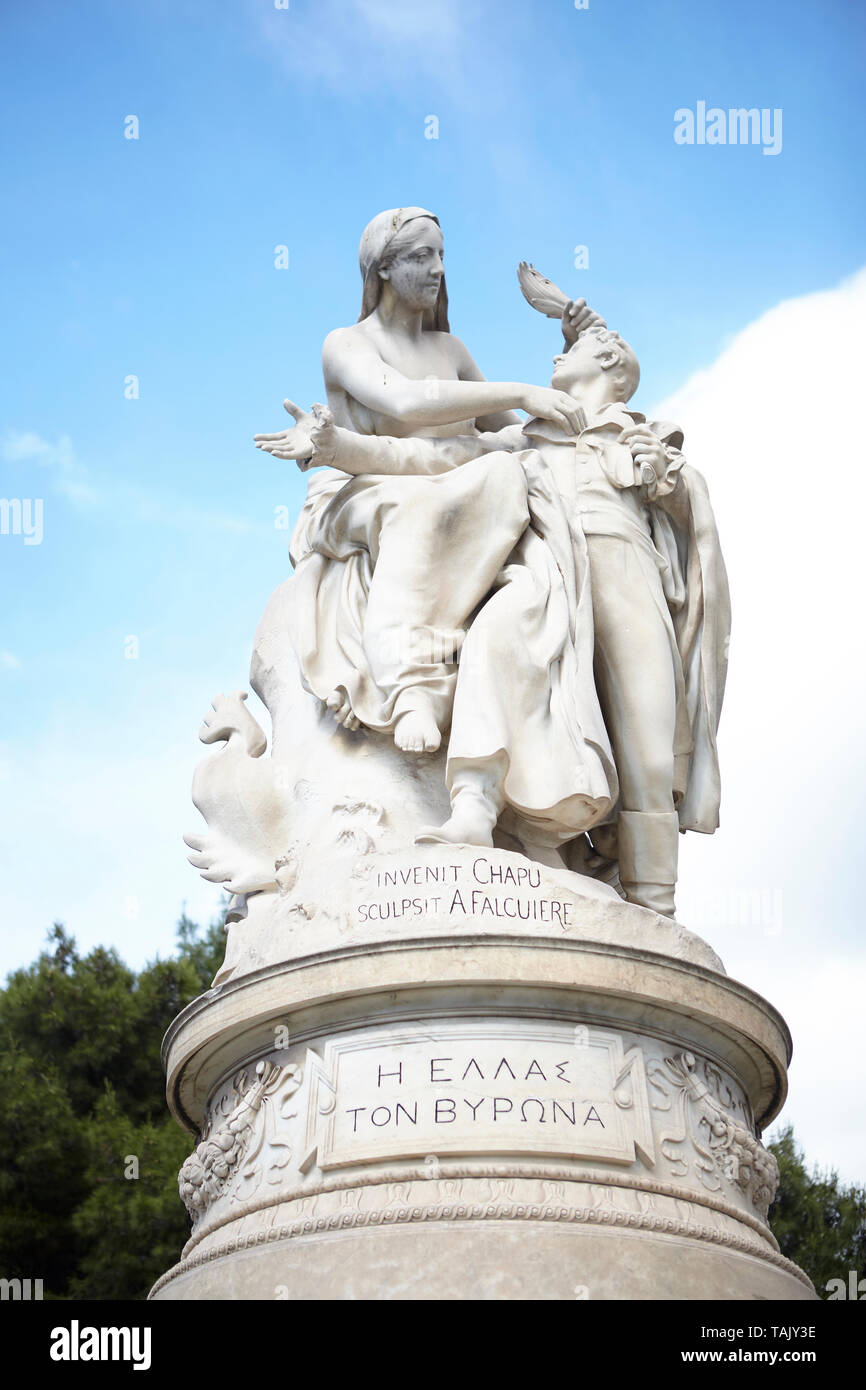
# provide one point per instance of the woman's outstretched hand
(296, 443)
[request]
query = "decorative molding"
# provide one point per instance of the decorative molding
(501, 1211)
(432, 1169)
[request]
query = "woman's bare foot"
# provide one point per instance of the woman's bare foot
(416, 731)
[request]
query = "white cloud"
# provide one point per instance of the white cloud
(9, 661)
(437, 23)
(68, 475)
(773, 426)
(362, 45)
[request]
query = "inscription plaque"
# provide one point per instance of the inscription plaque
(479, 1087)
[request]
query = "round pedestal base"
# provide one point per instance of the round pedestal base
(565, 1105)
(487, 1259)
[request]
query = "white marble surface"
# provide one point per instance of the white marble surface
(458, 1028)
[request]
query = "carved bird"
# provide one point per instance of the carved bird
(239, 798)
(575, 315)
(540, 292)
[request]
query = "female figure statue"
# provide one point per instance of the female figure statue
(389, 567)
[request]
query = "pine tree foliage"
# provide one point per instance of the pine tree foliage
(819, 1223)
(88, 1170)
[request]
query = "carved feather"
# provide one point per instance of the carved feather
(540, 292)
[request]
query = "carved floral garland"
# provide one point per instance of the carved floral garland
(210, 1168)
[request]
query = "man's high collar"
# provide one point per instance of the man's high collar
(613, 413)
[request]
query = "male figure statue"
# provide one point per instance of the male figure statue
(640, 520)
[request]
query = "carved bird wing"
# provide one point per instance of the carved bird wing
(540, 292)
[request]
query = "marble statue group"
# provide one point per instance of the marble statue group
(546, 598)
(459, 1046)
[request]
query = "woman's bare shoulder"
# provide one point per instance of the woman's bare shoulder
(353, 338)
(352, 332)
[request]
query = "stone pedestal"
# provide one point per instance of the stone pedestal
(482, 1079)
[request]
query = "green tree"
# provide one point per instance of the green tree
(819, 1223)
(82, 1093)
(131, 1225)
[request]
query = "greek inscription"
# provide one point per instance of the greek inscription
(450, 1088)
(532, 1101)
(384, 1075)
(443, 1111)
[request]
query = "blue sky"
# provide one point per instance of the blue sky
(154, 257)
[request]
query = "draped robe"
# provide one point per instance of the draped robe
(523, 695)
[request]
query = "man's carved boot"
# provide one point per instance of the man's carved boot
(648, 847)
(475, 808)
